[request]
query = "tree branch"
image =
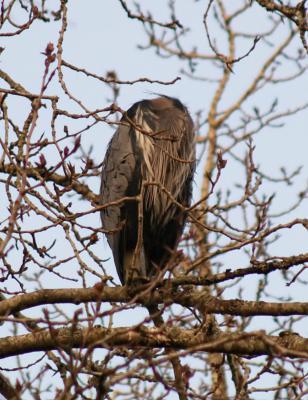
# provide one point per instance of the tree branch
(253, 344)
(186, 298)
(64, 181)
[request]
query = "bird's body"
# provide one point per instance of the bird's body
(152, 149)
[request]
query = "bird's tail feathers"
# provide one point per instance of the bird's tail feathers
(134, 264)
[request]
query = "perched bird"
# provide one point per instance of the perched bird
(151, 157)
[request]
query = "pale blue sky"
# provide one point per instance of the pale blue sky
(101, 38)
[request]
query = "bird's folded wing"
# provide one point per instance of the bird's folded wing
(117, 181)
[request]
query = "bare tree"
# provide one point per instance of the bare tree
(230, 300)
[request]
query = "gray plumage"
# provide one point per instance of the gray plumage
(154, 143)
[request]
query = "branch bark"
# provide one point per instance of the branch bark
(252, 344)
(189, 298)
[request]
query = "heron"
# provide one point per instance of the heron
(146, 186)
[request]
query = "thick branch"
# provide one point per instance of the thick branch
(296, 14)
(253, 344)
(186, 298)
